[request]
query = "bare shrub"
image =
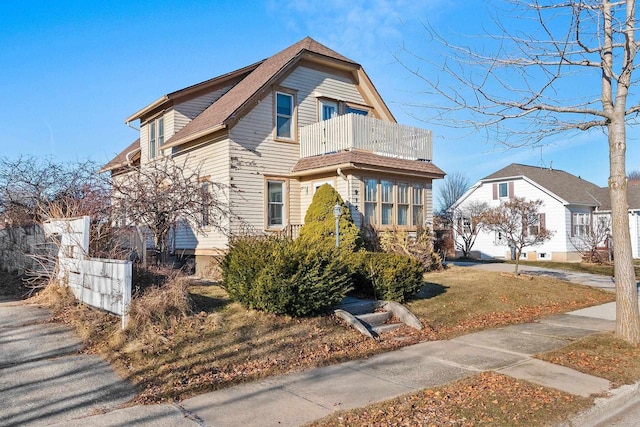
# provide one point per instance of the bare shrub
(419, 247)
(159, 307)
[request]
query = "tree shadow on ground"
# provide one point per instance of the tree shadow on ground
(430, 290)
(206, 303)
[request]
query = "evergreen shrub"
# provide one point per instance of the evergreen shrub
(319, 229)
(280, 276)
(385, 276)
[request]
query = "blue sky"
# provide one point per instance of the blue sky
(72, 71)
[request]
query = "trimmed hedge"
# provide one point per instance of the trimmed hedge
(385, 276)
(279, 276)
(319, 229)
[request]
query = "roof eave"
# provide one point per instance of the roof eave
(194, 136)
(147, 109)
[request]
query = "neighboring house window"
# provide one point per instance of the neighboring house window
(327, 109)
(370, 200)
(156, 137)
(580, 224)
(275, 203)
(284, 115)
(418, 205)
(403, 203)
(503, 190)
(352, 110)
(205, 200)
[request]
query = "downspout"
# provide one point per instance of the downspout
(343, 176)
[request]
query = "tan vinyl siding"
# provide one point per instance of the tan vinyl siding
(310, 82)
(428, 190)
(144, 144)
(188, 110)
(212, 159)
(254, 155)
(295, 192)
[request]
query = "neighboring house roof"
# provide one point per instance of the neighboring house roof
(365, 160)
(633, 198)
(132, 152)
(570, 188)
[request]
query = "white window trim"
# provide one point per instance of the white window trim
(294, 128)
(328, 102)
(268, 203)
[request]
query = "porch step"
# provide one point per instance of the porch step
(374, 319)
(370, 317)
(386, 328)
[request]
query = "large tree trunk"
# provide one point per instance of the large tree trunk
(627, 313)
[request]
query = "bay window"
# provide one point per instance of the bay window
(393, 203)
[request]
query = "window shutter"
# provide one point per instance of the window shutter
(571, 224)
(543, 221)
(511, 195)
(495, 191)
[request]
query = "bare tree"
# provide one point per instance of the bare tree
(452, 188)
(511, 88)
(165, 194)
(519, 223)
(467, 222)
(592, 238)
(30, 186)
(633, 177)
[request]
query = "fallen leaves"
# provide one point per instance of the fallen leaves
(484, 399)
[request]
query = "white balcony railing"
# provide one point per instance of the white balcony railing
(353, 131)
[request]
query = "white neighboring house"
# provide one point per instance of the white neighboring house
(571, 205)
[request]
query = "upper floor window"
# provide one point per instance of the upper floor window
(328, 109)
(284, 115)
(156, 137)
(352, 110)
(503, 190)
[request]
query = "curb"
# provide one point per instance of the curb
(605, 407)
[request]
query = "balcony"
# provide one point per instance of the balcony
(357, 132)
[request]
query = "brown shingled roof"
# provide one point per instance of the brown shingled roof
(568, 187)
(224, 109)
(365, 159)
(121, 159)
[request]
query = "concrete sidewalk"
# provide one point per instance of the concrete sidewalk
(297, 398)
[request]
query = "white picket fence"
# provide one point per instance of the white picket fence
(101, 283)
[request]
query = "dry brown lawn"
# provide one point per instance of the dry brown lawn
(222, 343)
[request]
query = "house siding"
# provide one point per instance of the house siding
(211, 158)
(313, 84)
(186, 111)
(556, 217)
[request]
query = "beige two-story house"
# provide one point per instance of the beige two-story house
(274, 131)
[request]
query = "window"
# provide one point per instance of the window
(503, 190)
(386, 195)
(284, 115)
(205, 200)
(275, 204)
(418, 205)
(156, 136)
(370, 200)
(327, 109)
(388, 203)
(360, 111)
(580, 224)
(403, 203)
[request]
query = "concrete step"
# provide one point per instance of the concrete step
(374, 319)
(379, 330)
(359, 307)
